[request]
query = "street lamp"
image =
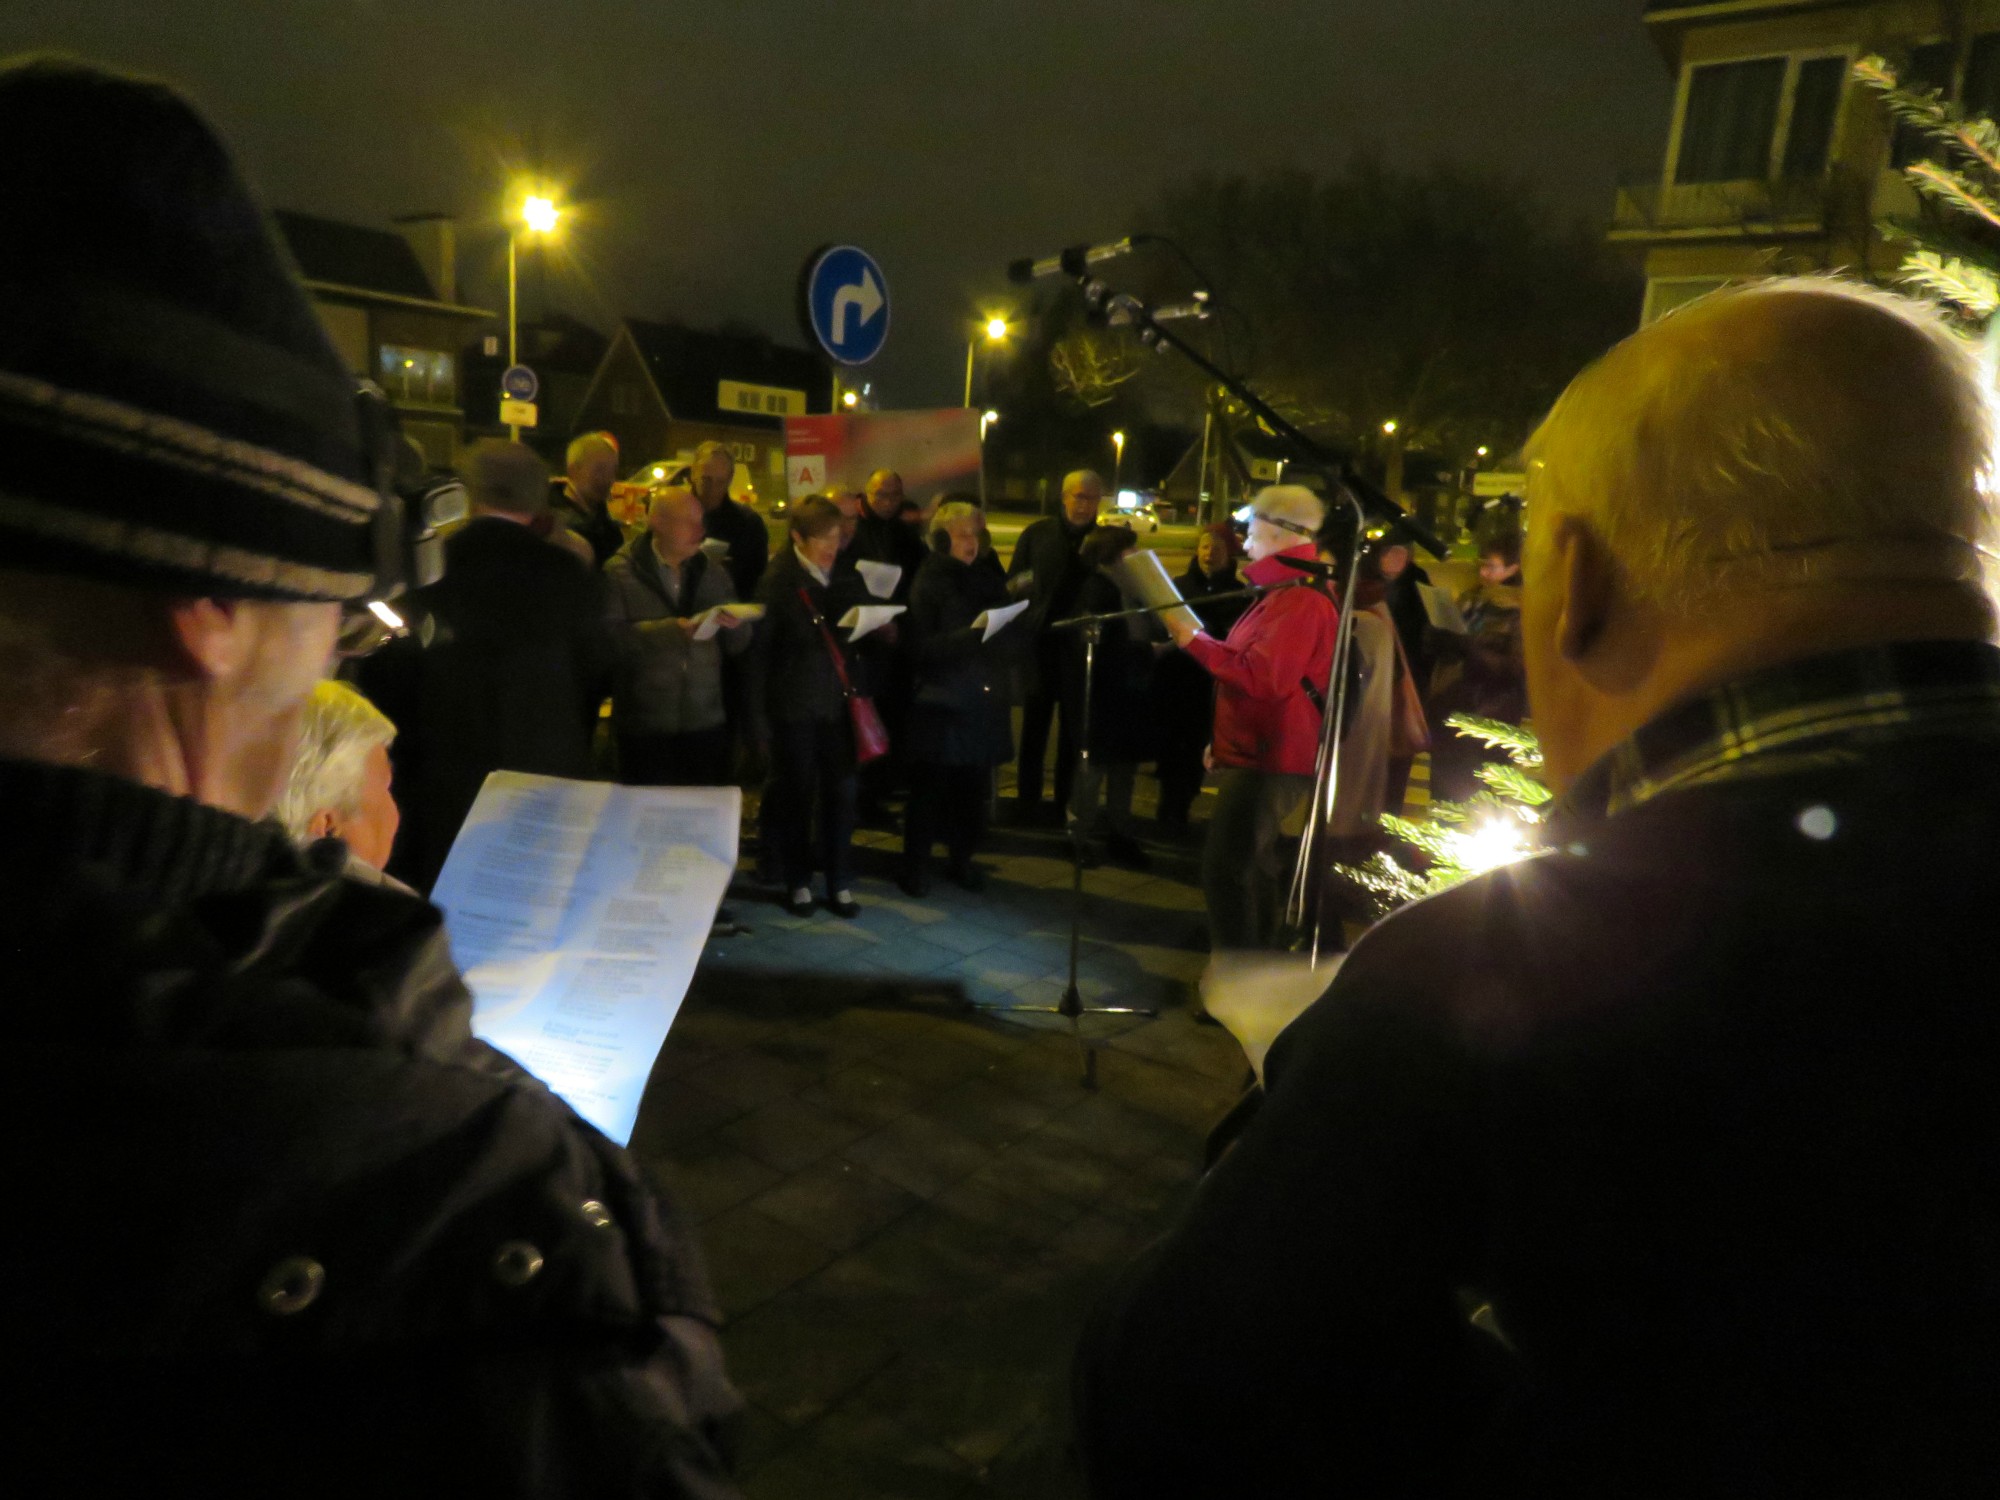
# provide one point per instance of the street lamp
(850, 399)
(1389, 428)
(1118, 467)
(996, 332)
(538, 216)
(986, 420)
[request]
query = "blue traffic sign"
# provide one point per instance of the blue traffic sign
(520, 383)
(847, 299)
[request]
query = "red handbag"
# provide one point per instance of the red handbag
(871, 739)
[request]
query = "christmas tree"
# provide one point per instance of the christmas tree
(1952, 256)
(1462, 839)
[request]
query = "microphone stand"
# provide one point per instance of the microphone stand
(1071, 1005)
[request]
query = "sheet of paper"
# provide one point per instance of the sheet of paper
(709, 621)
(864, 619)
(1442, 610)
(1256, 995)
(1143, 576)
(994, 619)
(716, 548)
(577, 911)
(880, 577)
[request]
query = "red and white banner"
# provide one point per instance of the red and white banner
(934, 451)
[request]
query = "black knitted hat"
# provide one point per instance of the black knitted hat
(172, 414)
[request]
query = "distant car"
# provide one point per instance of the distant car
(1141, 518)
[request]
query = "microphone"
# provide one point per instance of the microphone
(1074, 260)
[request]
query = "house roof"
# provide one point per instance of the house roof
(687, 364)
(557, 341)
(353, 255)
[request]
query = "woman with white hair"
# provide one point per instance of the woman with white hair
(1270, 679)
(340, 784)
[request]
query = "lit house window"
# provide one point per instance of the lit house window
(426, 377)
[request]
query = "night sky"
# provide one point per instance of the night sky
(708, 147)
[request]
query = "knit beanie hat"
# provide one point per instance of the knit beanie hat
(172, 413)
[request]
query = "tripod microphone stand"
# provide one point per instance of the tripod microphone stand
(1071, 1005)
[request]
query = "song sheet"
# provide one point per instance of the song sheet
(709, 621)
(577, 911)
(865, 619)
(1143, 576)
(993, 620)
(1442, 610)
(1256, 995)
(880, 577)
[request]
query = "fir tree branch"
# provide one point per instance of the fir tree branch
(1520, 744)
(1953, 191)
(1971, 288)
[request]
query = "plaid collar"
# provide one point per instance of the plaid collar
(1824, 711)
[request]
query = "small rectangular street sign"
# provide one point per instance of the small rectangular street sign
(517, 413)
(762, 400)
(1499, 483)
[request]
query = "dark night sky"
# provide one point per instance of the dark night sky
(710, 146)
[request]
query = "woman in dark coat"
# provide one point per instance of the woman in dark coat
(960, 722)
(799, 717)
(1183, 693)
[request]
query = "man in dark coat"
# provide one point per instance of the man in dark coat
(736, 526)
(1693, 1114)
(295, 1231)
(580, 500)
(1047, 550)
(509, 658)
(883, 534)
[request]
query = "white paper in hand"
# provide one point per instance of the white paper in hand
(1142, 575)
(716, 548)
(996, 619)
(577, 911)
(880, 577)
(709, 621)
(1442, 610)
(864, 619)
(1256, 995)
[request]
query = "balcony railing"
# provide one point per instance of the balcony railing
(1696, 209)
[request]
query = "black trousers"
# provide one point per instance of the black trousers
(697, 758)
(1054, 693)
(948, 804)
(812, 772)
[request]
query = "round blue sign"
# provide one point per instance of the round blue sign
(847, 298)
(520, 383)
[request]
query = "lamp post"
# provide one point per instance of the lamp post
(986, 420)
(996, 332)
(1392, 476)
(539, 215)
(1118, 462)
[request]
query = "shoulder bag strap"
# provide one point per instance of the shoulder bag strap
(832, 646)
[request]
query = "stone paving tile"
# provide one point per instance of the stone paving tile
(708, 1177)
(752, 1257)
(868, 1092)
(791, 1133)
(793, 1360)
(837, 1202)
(918, 1154)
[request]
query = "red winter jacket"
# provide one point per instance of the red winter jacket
(1264, 718)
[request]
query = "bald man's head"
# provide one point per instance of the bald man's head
(591, 466)
(1775, 434)
(1776, 471)
(885, 493)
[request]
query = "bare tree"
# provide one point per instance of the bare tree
(1091, 363)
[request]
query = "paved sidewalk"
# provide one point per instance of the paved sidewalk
(910, 1205)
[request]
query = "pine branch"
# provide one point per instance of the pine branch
(1520, 744)
(1512, 781)
(1947, 187)
(1928, 111)
(1973, 289)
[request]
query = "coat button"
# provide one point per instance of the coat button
(596, 1215)
(291, 1286)
(516, 1263)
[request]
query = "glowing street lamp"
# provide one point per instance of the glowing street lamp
(538, 216)
(996, 333)
(850, 399)
(1389, 428)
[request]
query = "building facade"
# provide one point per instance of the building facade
(664, 389)
(387, 298)
(1778, 161)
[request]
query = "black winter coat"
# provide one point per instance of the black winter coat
(792, 676)
(1048, 548)
(293, 1230)
(518, 657)
(894, 541)
(741, 529)
(961, 715)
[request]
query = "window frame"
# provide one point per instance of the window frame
(1781, 123)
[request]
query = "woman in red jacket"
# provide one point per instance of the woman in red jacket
(1270, 677)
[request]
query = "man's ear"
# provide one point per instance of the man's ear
(211, 635)
(1588, 578)
(323, 825)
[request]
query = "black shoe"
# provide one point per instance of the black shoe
(914, 885)
(843, 904)
(968, 876)
(1125, 849)
(799, 903)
